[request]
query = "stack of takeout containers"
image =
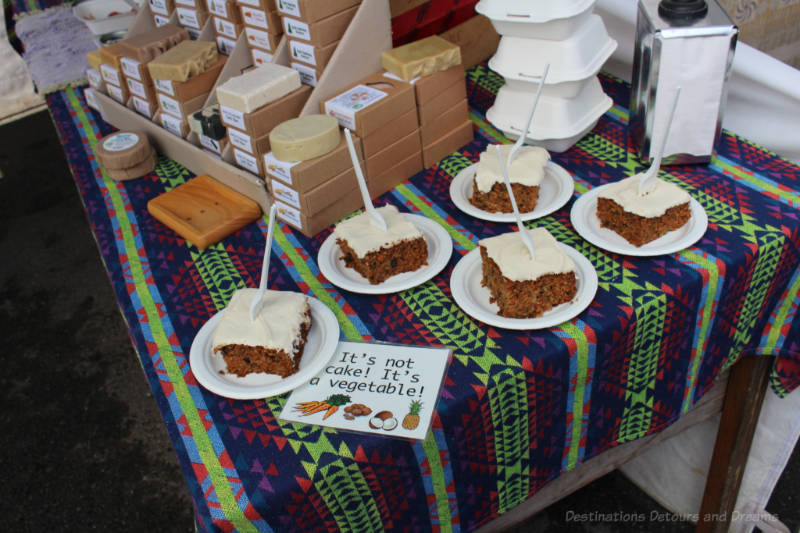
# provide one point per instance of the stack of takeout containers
(227, 19)
(576, 44)
(262, 28)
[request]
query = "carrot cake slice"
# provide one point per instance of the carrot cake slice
(273, 343)
(377, 254)
(642, 218)
(525, 174)
(523, 287)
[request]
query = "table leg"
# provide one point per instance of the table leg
(747, 386)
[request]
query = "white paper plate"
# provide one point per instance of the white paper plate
(555, 190)
(323, 337)
(440, 246)
(584, 219)
(465, 284)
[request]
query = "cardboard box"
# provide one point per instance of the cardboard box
(160, 20)
(428, 88)
(261, 57)
(257, 38)
(143, 107)
(251, 145)
(111, 75)
(175, 125)
(226, 9)
(251, 163)
(321, 32)
(95, 80)
(313, 201)
(476, 37)
(315, 56)
(392, 132)
(308, 74)
(302, 176)
(350, 201)
(447, 144)
(226, 28)
(258, 18)
(120, 94)
(396, 175)
(192, 18)
(135, 70)
(370, 104)
(379, 163)
(448, 121)
(266, 5)
(112, 54)
(263, 119)
(199, 5)
(311, 225)
(313, 10)
(433, 108)
(214, 146)
(162, 7)
(168, 104)
(145, 91)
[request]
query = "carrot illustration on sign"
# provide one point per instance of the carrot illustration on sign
(330, 406)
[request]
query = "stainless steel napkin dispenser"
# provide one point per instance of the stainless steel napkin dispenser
(686, 43)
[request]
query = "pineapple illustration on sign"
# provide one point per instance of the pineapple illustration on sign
(411, 420)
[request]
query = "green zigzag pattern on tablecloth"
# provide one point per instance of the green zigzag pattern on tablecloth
(328, 479)
(218, 273)
(508, 399)
(612, 154)
(770, 245)
(650, 307)
(486, 78)
(171, 172)
(454, 164)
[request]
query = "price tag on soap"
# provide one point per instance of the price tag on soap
(160, 21)
(188, 17)
(246, 161)
(345, 106)
(288, 213)
(225, 45)
(159, 6)
(110, 74)
(255, 17)
(137, 88)
(131, 68)
(382, 389)
(307, 74)
(279, 169)
(302, 52)
(170, 105)
(228, 29)
(172, 124)
(232, 117)
(141, 106)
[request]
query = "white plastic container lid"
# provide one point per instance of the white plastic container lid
(576, 58)
(106, 16)
(533, 11)
(555, 118)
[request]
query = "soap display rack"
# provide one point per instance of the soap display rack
(357, 56)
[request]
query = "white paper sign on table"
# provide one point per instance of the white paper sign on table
(382, 389)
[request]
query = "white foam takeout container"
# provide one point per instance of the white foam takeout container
(106, 16)
(558, 123)
(536, 19)
(573, 61)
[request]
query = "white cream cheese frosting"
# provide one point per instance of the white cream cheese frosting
(653, 203)
(276, 327)
(514, 260)
(527, 168)
(363, 236)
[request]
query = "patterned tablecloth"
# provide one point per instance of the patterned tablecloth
(517, 409)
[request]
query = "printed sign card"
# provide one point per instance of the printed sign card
(383, 389)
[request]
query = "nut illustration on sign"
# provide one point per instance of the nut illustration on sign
(383, 420)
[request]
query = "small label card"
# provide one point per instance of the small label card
(382, 389)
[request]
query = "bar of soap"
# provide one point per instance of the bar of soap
(421, 58)
(147, 46)
(123, 149)
(95, 59)
(258, 87)
(305, 138)
(112, 54)
(186, 59)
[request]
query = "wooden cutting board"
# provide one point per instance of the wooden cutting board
(203, 210)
